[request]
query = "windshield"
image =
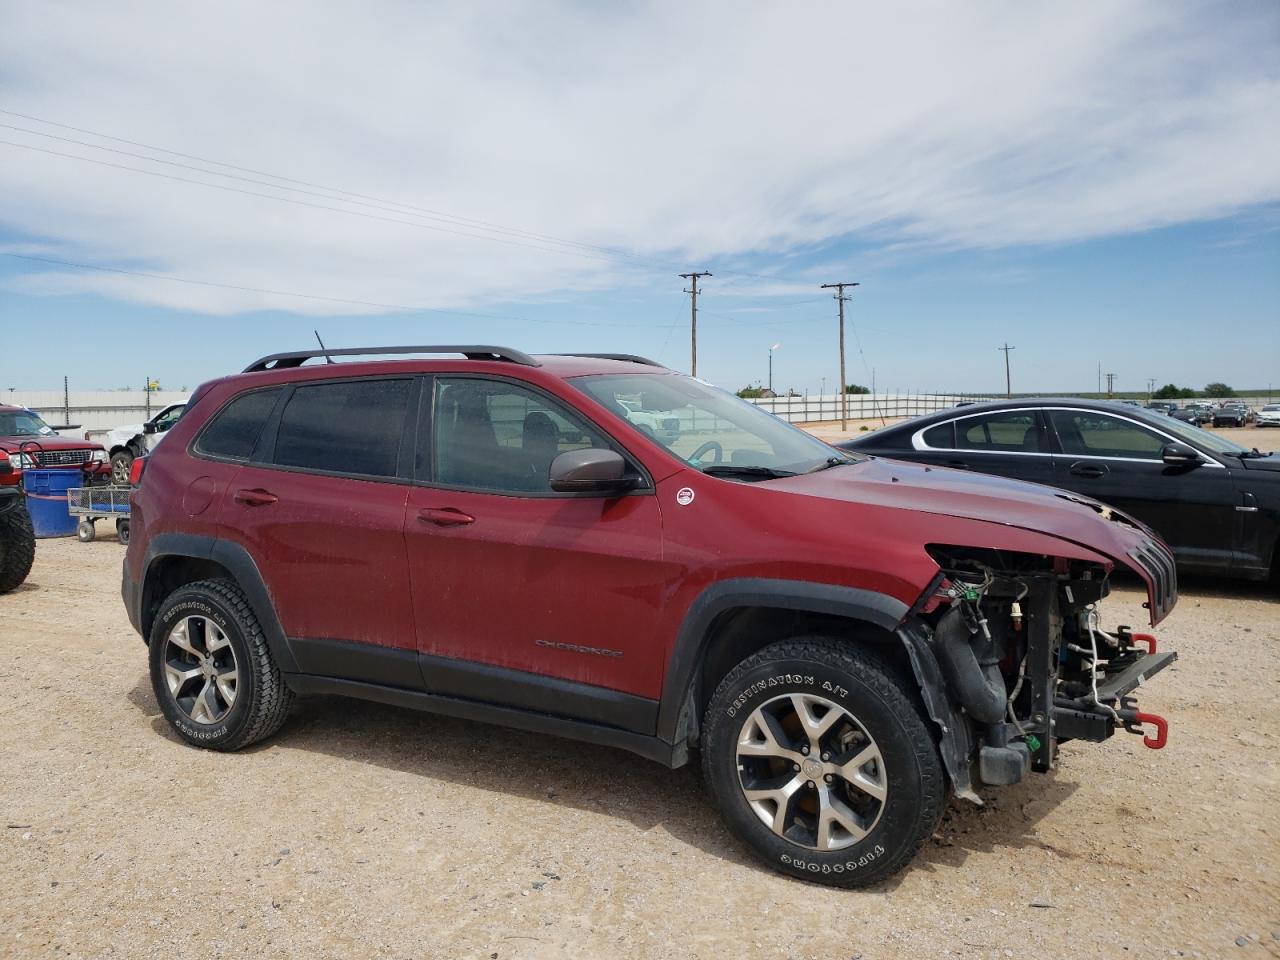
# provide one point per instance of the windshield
(1203, 438)
(23, 423)
(706, 427)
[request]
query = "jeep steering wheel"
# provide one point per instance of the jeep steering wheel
(707, 447)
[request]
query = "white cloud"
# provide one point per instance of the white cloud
(688, 134)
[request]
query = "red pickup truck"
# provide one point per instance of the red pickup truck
(27, 441)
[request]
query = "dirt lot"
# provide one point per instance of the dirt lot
(365, 830)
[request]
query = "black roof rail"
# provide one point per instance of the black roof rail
(625, 357)
(281, 361)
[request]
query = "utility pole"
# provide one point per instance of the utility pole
(1111, 380)
(1151, 387)
(693, 290)
(1099, 378)
(771, 349)
(1008, 384)
(844, 396)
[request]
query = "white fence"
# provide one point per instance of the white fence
(810, 408)
(94, 411)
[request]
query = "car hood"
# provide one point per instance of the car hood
(121, 435)
(899, 485)
(1271, 463)
(11, 444)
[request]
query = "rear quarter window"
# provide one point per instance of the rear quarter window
(348, 427)
(940, 437)
(233, 431)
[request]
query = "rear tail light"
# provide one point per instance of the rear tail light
(135, 471)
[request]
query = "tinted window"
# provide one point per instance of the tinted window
(1085, 433)
(233, 432)
(1006, 431)
(490, 435)
(941, 437)
(353, 426)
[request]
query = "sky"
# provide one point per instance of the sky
(185, 188)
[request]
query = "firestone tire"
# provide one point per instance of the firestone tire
(209, 626)
(17, 547)
(875, 716)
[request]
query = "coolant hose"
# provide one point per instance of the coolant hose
(979, 686)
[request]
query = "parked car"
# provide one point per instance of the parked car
(844, 639)
(1162, 406)
(1190, 415)
(1269, 415)
(126, 443)
(1231, 415)
(27, 441)
(1214, 502)
(17, 538)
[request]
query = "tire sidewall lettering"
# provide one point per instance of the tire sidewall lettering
(168, 618)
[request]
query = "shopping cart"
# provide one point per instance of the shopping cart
(96, 503)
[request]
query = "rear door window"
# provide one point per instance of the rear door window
(347, 427)
(1007, 431)
(234, 430)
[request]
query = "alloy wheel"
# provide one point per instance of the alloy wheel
(811, 772)
(200, 669)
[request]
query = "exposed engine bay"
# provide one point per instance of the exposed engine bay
(1019, 641)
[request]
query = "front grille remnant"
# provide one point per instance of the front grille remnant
(1156, 560)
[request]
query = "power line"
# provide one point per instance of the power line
(434, 214)
(297, 202)
(607, 253)
(306, 296)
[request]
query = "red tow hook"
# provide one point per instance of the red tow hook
(1146, 638)
(1133, 719)
(1162, 729)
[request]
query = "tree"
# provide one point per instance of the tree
(1171, 391)
(751, 393)
(856, 388)
(1218, 390)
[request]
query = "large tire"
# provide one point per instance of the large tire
(17, 546)
(869, 787)
(121, 464)
(206, 631)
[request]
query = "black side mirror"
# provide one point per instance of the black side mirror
(150, 427)
(1180, 455)
(590, 471)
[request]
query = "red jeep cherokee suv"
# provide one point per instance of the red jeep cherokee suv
(507, 538)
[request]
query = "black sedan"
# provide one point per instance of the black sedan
(1214, 502)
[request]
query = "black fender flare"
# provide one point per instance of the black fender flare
(237, 560)
(868, 606)
(690, 645)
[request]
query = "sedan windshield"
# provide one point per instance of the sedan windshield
(709, 428)
(23, 423)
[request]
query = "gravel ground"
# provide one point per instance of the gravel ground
(362, 830)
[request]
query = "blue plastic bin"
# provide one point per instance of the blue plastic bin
(47, 500)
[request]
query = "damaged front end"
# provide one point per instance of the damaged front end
(1014, 659)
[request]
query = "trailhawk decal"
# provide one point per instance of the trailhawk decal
(578, 648)
(684, 496)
